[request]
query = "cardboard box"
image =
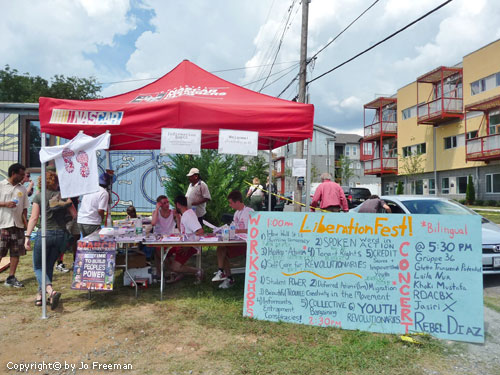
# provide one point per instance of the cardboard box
(134, 260)
(137, 273)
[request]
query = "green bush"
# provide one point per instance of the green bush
(479, 202)
(492, 203)
(462, 201)
(470, 192)
(399, 189)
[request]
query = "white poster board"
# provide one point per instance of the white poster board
(180, 141)
(299, 167)
(238, 142)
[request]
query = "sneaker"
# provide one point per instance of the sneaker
(199, 276)
(62, 268)
(13, 282)
(219, 276)
(227, 283)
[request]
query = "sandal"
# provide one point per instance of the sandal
(38, 301)
(174, 277)
(54, 299)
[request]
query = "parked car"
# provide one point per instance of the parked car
(355, 195)
(405, 204)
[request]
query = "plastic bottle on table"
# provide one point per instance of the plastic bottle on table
(232, 231)
(138, 226)
(225, 233)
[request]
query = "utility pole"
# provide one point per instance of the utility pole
(302, 90)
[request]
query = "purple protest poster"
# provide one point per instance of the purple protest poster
(94, 266)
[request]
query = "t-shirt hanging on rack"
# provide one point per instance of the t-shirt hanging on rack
(76, 163)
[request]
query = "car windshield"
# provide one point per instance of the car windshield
(441, 207)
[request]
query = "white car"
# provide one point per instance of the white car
(406, 204)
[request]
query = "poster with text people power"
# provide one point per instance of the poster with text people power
(372, 272)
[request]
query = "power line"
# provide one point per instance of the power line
(277, 79)
(382, 41)
(281, 71)
(345, 29)
(213, 71)
(280, 43)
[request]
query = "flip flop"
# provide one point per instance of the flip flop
(38, 302)
(54, 299)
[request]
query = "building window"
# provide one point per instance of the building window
(493, 183)
(354, 150)
(485, 84)
(419, 149)
(347, 150)
(409, 112)
(472, 134)
(417, 187)
(432, 186)
(445, 185)
(462, 185)
(494, 117)
(450, 142)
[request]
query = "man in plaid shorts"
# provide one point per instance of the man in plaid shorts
(13, 208)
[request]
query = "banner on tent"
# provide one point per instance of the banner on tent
(180, 141)
(238, 142)
(94, 267)
(379, 273)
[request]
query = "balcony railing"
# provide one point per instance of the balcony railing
(484, 148)
(388, 127)
(439, 108)
(379, 166)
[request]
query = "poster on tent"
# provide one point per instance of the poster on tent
(180, 141)
(374, 272)
(94, 267)
(238, 142)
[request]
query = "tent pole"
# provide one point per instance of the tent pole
(269, 188)
(109, 221)
(44, 231)
(308, 174)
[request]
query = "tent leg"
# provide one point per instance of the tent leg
(269, 188)
(44, 232)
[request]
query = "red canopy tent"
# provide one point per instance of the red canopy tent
(187, 97)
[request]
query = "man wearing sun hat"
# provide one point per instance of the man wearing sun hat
(197, 194)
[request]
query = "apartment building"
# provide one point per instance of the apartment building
(438, 130)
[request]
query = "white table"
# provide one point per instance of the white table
(195, 243)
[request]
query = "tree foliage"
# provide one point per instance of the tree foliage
(345, 169)
(24, 88)
(470, 192)
(399, 189)
(222, 174)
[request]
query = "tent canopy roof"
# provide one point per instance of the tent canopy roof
(187, 97)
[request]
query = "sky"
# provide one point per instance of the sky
(125, 44)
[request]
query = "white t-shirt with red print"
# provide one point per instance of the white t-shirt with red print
(76, 163)
(241, 217)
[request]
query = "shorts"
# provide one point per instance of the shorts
(183, 257)
(236, 251)
(12, 239)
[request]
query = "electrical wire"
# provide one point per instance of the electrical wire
(275, 73)
(382, 41)
(280, 43)
(344, 30)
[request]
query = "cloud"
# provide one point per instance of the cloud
(52, 37)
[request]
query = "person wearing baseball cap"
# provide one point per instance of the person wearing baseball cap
(197, 194)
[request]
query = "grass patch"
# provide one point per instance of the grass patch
(195, 329)
(492, 302)
(493, 216)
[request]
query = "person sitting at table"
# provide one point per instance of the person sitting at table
(163, 221)
(131, 213)
(224, 253)
(178, 256)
